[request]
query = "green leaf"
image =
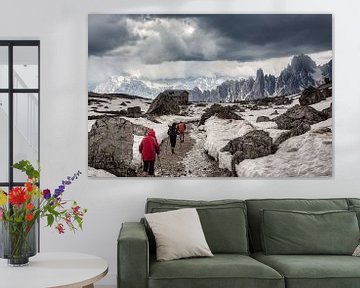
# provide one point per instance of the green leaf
(50, 219)
(26, 167)
(53, 211)
(79, 221)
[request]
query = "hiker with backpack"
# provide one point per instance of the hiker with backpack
(181, 128)
(173, 132)
(148, 149)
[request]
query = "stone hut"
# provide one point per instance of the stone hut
(181, 97)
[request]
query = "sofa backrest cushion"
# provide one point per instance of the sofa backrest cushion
(356, 209)
(255, 206)
(298, 232)
(223, 221)
(354, 205)
(353, 202)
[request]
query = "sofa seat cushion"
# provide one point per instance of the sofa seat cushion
(314, 271)
(222, 270)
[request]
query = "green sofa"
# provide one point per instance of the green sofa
(234, 230)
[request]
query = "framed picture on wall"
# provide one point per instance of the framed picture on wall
(210, 95)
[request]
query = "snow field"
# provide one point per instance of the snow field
(218, 133)
(114, 105)
(306, 155)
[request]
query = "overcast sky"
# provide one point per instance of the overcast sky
(177, 46)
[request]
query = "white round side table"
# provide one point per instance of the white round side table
(50, 270)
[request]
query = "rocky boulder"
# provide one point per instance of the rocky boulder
(236, 108)
(282, 100)
(111, 113)
(134, 111)
(254, 144)
(312, 95)
(241, 109)
(322, 130)
(163, 105)
(327, 91)
(299, 130)
(254, 107)
(327, 112)
(262, 119)
(219, 111)
(297, 115)
(201, 104)
(263, 102)
(111, 146)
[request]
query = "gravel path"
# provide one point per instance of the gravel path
(170, 165)
(189, 159)
(197, 162)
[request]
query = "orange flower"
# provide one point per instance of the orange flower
(29, 186)
(29, 217)
(27, 196)
(29, 206)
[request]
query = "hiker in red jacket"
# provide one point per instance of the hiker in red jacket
(148, 148)
(181, 128)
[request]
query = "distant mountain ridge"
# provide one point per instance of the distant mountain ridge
(301, 73)
(298, 75)
(151, 88)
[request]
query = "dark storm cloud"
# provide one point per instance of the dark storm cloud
(243, 37)
(263, 29)
(107, 32)
(273, 35)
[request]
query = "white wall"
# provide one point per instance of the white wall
(62, 28)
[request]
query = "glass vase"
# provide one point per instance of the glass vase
(18, 242)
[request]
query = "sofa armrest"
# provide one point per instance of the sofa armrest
(133, 256)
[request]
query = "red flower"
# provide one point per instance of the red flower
(75, 209)
(29, 217)
(68, 219)
(27, 196)
(17, 196)
(60, 228)
(29, 206)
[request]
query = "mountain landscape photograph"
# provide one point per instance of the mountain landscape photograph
(210, 95)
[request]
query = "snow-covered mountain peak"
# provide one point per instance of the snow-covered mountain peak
(299, 74)
(151, 88)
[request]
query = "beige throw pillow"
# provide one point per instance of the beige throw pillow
(178, 234)
(357, 251)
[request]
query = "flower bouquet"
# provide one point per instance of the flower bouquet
(21, 208)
